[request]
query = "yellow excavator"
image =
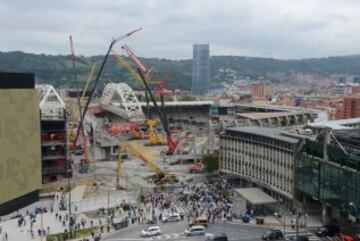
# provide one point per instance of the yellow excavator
(162, 177)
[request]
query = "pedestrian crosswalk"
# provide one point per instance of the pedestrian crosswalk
(174, 236)
(177, 237)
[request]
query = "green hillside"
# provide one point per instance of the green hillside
(57, 70)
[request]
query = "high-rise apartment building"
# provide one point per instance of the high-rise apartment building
(349, 108)
(201, 69)
(261, 90)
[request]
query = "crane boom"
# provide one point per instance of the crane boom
(170, 141)
(112, 43)
(136, 60)
(120, 58)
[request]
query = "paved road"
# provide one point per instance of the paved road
(174, 231)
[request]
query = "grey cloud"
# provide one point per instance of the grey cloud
(269, 28)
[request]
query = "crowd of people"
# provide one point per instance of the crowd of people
(3, 235)
(210, 200)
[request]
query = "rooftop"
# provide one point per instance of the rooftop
(274, 133)
(255, 196)
(337, 124)
(265, 115)
(182, 103)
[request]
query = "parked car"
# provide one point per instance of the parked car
(299, 238)
(195, 230)
(246, 218)
(273, 234)
(329, 230)
(217, 237)
(151, 231)
(172, 217)
(322, 232)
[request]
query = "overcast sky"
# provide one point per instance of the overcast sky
(265, 28)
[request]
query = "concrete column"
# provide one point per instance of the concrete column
(327, 214)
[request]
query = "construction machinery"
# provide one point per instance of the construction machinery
(154, 139)
(145, 75)
(148, 157)
(84, 162)
(82, 115)
(171, 142)
(196, 168)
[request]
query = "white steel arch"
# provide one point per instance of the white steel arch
(120, 98)
(51, 104)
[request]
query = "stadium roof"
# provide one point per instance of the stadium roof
(274, 133)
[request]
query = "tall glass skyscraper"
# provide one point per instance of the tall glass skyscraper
(201, 69)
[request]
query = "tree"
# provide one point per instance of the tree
(188, 98)
(211, 162)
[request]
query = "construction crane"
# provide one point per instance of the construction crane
(148, 158)
(76, 111)
(112, 43)
(171, 142)
(145, 73)
(154, 139)
(84, 162)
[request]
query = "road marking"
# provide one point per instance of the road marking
(130, 239)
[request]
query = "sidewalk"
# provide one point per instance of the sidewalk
(274, 222)
(50, 221)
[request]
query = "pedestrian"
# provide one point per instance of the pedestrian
(6, 236)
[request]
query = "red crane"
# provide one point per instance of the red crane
(145, 73)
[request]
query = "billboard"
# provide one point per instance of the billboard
(20, 158)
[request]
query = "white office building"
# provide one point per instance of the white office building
(261, 157)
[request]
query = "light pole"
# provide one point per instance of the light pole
(284, 207)
(108, 202)
(68, 171)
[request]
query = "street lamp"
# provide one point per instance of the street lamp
(354, 208)
(284, 208)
